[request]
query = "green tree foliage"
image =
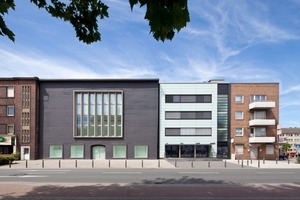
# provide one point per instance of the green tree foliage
(164, 16)
(285, 146)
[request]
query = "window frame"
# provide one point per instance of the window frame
(270, 151)
(8, 110)
(75, 156)
(7, 129)
(146, 155)
(56, 145)
(242, 132)
(242, 99)
(236, 148)
(242, 115)
(10, 93)
(124, 156)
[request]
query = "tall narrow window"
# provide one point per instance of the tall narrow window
(10, 129)
(10, 91)
(98, 114)
(10, 110)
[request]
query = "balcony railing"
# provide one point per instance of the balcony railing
(261, 139)
(262, 122)
(262, 105)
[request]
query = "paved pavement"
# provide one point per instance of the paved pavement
(160, 163)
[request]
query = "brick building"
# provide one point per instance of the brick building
(19, 116)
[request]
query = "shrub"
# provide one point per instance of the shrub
(5, 159)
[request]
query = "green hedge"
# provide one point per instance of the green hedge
(4, 159)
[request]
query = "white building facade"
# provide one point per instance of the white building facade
(188, 120)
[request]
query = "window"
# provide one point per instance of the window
(239, 132)
(188, 131)
(270, 149)
(10, 91)
(188, 115)
(10, 110)
(239, 99)
(258, 132)
(55, 151)
(98, 114)
(119, 151)
(258, 98)
(141, 151)
(25, 136)
(239, 149)
(10, 129)
(239, 115)
(77, 151)
(258, 115)
(204, 98)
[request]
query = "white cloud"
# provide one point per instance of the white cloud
(295, 88)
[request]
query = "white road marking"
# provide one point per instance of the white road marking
(25, 176)
(42, 170)
(198, 172)
(275, 172)
(121, 172)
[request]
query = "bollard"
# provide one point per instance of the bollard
(208, 163)
(192, 164)
(59, 164)
(109, 163)
(276, 160)
(125, 163)
(26, 163)
(238, 161)
(225, 164)
(288, 160)
(175, 163)
(75, 163)
(142, 163)
(258, 163)
(43, 164)
(264, 161)
(242, 164)
(93, 164)
(158, 163)
(247, 162)
(251, 161)
(9, 162)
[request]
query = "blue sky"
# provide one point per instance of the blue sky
(239, 41)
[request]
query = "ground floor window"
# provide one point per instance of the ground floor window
(239, 149)
(6, 149)
(270, 149)
(141, 151)
(119, 151)
(55, 151)
(187, 151)
(77, 151)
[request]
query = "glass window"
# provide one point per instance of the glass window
(239, 149)
(239, 115)
(239, 99)
(77, 151)
(10, 91)
(260, 132)
(258, 98)
(10, 129)
(239, 132)
(55, 151)
(270, 149)
(119, 151)
(141, 151)
(10, 110)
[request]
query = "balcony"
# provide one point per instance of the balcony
(262, 122)
(262, 105)
(261, 139)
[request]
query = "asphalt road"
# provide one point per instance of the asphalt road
(150, 184)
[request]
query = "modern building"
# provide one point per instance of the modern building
(292, 137)
(254, 111)
(188, 120)
(99, 119)
(19, 99)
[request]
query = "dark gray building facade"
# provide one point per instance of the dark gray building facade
(99, 119)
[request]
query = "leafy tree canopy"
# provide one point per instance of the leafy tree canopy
(164, 16)
(285, 146)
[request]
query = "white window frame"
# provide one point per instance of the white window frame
(239, 135)
(76, 156)
(239, 149)
(236, 114)
(52, 156)
(7, 129)
(237, 99)
(8, 109)
(136, 150)
(10, 91)
(120, 156)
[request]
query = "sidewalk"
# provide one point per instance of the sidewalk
(160, 163)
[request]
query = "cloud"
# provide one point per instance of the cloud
(295, 88)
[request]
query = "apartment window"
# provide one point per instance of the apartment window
(25, 118)
(205, 98)
(258, 132)
(141, 151)
(258, 98)
(55, 151)
(25, 136)
(188, 131)
(10, 129)
(239, 115)
(270, 149)
(10, 91)
(258, 115)
(239, 149)
(10, 110)
(25, 96)
(239, 132)
(98, 114)
(239, 99)
(119, 151)
(188, 115)
(77, 151)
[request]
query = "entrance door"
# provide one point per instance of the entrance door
(254, 152)
(98, 152)
(25, 153)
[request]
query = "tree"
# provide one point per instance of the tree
(164, 16)
(285, 147)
